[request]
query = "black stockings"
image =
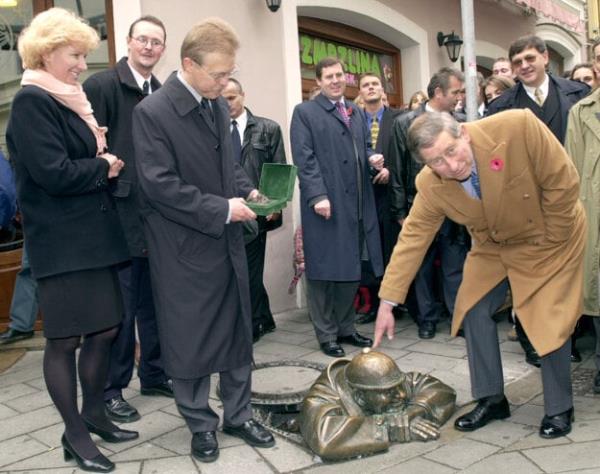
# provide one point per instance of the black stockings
(61, 380)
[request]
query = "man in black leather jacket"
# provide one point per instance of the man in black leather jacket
(452, 242)
(260, 142)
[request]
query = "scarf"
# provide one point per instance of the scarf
(71, 96)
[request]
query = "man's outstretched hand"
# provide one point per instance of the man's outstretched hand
(385, 323)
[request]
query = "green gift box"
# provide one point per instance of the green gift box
(277, 185)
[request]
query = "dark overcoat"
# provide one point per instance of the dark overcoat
(113, 94)
(69, 216)
(327, 154)
(186, 174)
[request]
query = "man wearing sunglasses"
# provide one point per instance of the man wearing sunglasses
(113, 94)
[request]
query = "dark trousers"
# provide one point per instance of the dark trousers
(139, 306)
(485, 363)
(330, 308)
(452, 254)
(191, 397)
(259, 299)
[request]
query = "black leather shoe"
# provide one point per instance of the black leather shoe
(205, 447)
(366, 318)
(332, 349)
(12, 335)
(427, 330)
(116, 436)
(596, 385)
(252, 433)
(355, 340)
(482, 414)
(164, 389)
(117, 409)
(98, 464)
(557, 425)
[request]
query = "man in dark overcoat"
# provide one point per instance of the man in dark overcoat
(339, 220)
(256, 141)
(113, 94)
(190, 189)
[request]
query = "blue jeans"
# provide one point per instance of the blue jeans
(24, 305)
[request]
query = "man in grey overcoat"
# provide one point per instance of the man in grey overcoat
(339, 219)
(192, 197)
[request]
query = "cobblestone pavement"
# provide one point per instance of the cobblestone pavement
(30, 428)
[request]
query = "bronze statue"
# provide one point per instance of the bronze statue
(361, 406)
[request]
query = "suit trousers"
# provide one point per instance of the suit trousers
(452, 255)
(191, 397)
(139, 306)
(330, 305)
(259, 299)
(24, 304)
(485, 363)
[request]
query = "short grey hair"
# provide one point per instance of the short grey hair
(426, 129)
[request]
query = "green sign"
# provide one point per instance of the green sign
(357, 60)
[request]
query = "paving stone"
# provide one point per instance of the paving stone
(33, 401)
(588, 430)
(588, 407)
(283, 351)
(523, 389)
(287, 337)
(462, 453)
(28, 422)
(146, 450)
(512, 346)
(125, 467)
(7, 412)
(286, 456)
(24, 375)
(535, 441)
(30, 358)
(569, 457)
(149, 426)
(528, 415)
(48, 459)
(174, 465)
(11, 392)
(295, 326)
(19, 448)
(501, 433)
(148, 404)
(38, 383)
(418, 362)
(441, 349)
(506, 462)
(398, 343)
(239, 459)
(418, 466)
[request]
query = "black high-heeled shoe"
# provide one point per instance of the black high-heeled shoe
(118, 436)
(98, 464)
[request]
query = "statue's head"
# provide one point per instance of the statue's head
(376, 381)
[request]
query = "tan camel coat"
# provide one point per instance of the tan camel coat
(529, 227)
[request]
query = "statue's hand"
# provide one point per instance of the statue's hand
(423, 430)
(398, 427)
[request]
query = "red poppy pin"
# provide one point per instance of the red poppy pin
(349, 111)
(496, 164)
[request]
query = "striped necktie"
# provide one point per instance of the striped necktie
(374, 132)
(342, 110)
(539, 96)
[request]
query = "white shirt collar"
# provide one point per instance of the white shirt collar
(543, 87)
(242, 121)
(139, 79)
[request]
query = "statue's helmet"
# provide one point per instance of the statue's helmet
(371, 370)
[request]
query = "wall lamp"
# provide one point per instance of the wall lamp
(273, 5)
(452, 43)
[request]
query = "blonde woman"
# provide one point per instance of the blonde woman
(74, 239)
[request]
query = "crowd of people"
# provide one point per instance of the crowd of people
(134, 201)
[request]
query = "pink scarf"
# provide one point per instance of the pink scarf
(71, 96)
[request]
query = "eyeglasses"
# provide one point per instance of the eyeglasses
(219, 76)
(154, 43)
(443, 160)
(529, 59)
